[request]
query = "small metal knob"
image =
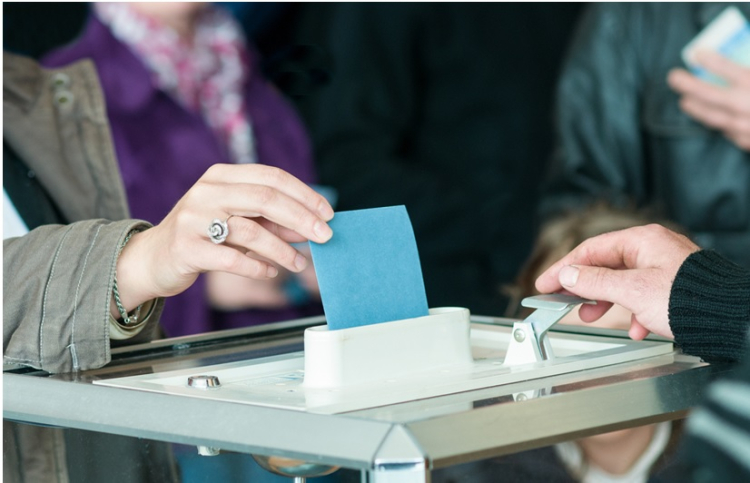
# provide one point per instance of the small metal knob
(208, 451)
(204, 382)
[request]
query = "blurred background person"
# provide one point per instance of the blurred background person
(184, 90)
(635, 128)
(633, 454)
(445, 108)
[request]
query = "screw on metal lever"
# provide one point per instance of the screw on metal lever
(529, 341)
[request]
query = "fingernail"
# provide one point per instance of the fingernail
(271, 272)
(568, 276)
(300, 262)
(323, 231)
(325, 210)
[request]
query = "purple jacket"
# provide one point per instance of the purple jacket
(163, 149)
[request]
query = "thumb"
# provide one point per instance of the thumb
(598, 283)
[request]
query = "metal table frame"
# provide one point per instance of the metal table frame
(392, 444)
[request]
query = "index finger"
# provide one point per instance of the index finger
(688, 85)
(608, 250)
(718, 64)
(259, 174)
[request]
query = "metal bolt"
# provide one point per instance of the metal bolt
(519, 335)
(204, 382)
(208, 451)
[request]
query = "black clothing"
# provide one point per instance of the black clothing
(31, 200)
(444, 108)
(716, 294)
(709, 307)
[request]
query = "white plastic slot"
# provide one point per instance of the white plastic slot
(361, 355)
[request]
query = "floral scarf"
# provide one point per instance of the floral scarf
(207, 77)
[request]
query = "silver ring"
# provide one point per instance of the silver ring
(219, 230)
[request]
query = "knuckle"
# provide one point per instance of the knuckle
(215, 170)
(599, 278)
(743, 104)
(230, 260)
(653, 232)
(278, 175)
(287, 254)
(251, 231)
(587, 252)
(640, 286)
(184, 217)
(199, 191)
(736, 124)
(304, 218)
(281, 253)
(265, 195)
(257, 269)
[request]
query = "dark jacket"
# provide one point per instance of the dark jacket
(623, 137)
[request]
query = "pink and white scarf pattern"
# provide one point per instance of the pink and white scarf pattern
(207, 77)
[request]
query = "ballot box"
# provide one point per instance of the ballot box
(393, 406)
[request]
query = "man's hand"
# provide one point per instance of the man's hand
(726, 108)
(634, 268)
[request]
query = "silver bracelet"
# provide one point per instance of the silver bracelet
(126, 319)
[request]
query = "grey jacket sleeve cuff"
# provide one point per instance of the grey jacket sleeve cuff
(57, 289)
(120, 331)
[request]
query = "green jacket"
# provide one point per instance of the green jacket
(58, 279)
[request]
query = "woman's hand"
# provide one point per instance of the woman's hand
(270, 209)
(226, 291)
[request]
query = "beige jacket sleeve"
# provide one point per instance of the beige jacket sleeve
(57, 287)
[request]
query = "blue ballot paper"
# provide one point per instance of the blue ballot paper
(369, 271)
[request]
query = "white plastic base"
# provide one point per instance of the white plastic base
(386, 376)
(361, 355)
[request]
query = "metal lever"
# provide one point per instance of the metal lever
(529, 341)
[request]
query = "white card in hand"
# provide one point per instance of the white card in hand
(728, 35)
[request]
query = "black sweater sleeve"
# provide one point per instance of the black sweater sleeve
(709, 310)
(709, 307)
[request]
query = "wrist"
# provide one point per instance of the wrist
(131, 278)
